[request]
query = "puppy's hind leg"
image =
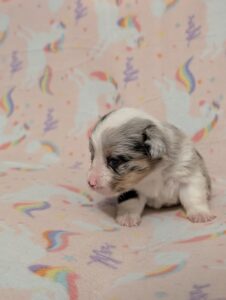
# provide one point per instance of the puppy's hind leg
(194, 198)
(130, 208)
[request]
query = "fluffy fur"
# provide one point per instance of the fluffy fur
(144, 161)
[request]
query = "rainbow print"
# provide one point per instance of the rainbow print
(20, 166)
(6, 103)
(49, 147)
(26, 169)
(184, 76)
(203, 237)
(129, 22)
(57, 45)
(202, 133)
(28, 207)
(170, 3)
(62, 275)
(44, 82)
(104, 77)
(12, 143)
(76, 190)
(181, 214)
(3, 35)
(57, 239)
(164, 270)
(160, 271)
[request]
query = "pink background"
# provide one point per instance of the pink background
(65, 63)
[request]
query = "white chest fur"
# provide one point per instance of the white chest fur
(159, 189)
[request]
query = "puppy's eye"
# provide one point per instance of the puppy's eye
(115, 162)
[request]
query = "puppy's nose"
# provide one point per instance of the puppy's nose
(92, 184)
(92, 181)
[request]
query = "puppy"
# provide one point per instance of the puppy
(143, 161)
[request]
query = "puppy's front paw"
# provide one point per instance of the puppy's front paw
(128, 220)
(201, 217)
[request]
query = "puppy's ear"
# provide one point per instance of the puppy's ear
(154, 142)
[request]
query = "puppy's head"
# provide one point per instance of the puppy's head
(125, 146)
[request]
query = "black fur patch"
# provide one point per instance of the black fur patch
(199, 155)
(105, 116)
(102, 119)
(138, 146)
(127, 196)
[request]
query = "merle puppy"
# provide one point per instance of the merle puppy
(143, 161)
